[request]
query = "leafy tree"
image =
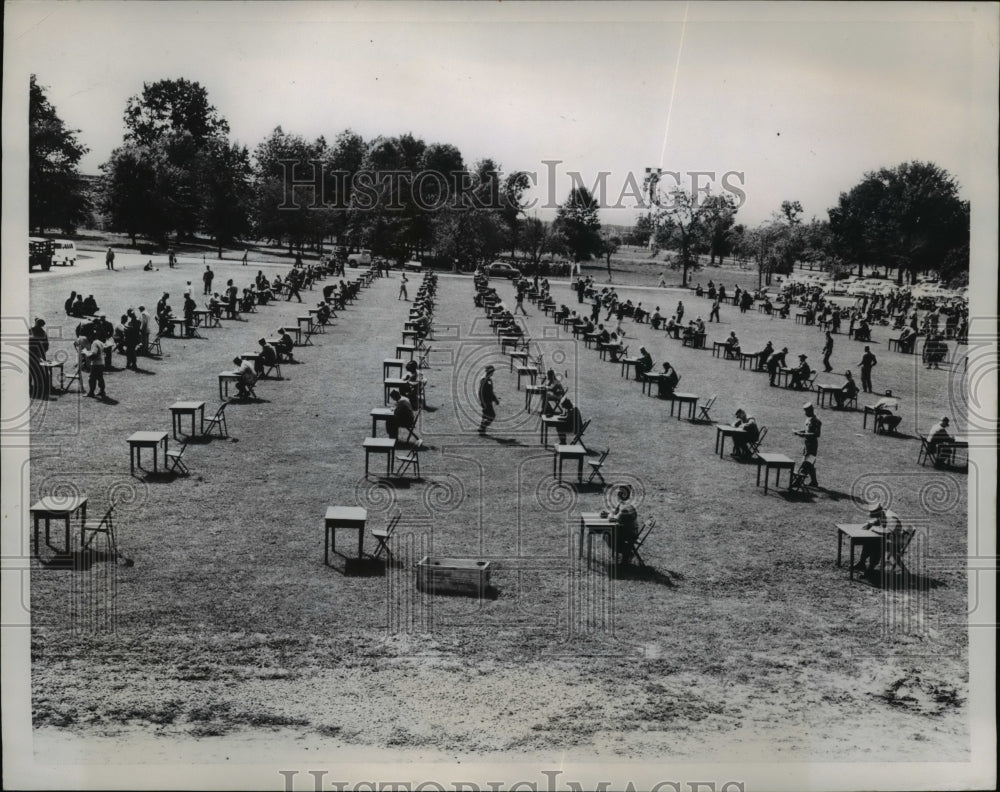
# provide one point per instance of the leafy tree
(681, 227)
(226, 192)
(172, 105)
(717, 215)
(609, 246)
(578, 225)
(640, 233)
(56, 193)
(909, 217)
(470, 231)
(533, 237)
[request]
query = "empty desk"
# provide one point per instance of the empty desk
(562, 452)
(58, 508)
(179, 409)
(380, 445)
(140, 440)
(349, 517)
(777, 462)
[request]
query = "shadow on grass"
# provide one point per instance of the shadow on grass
(646, 574)
(107, 400)
(587, 487)
(147, 372)
(900, 581)
(161, 476)
(252, 400)
(83, 560)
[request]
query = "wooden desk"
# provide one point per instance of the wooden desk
(379, 445)
(179, 409)
(690, 399)
(530, 392)
(383, 414)
(823, 391)
(722, 431)
(748, 358)
(182, 329)
(520, 357)
(606, 349)
(778, 462)
(717, 348)
(548, 422)
(408, 349)
(695, 340)
(388, 383)
(531, 372)
(389, 364)
(630, 363)
(856, 534)
(593, 523)
(49, 367)
(576, 451)
(349, 517)
(649, 381)
(310, 328)
(589, 339)
(225, 377)
(206, 318)
(140, 440)
(58, 508)
(877, 418)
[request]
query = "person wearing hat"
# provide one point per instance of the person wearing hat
(827, 351)
(247, 377)
(645, 363)
(626, 520)
(669, 379)
(750, 434)
(867, 363)
(887, 525)
(487, 399)
(267, 357)
(810, 434)
(940, 440)
(570, 419)
(884, 417)
(800, 374)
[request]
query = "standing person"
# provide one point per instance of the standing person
(109, 259)
(827, 351)
(522, 287)
(246, 253)
(715, 311)
(487, 398)
(292, 285)
(663, 281)
(402, 289)
(680, 311)
(868, 362)
(132, 338)
(144, 328)
(38, 346)
(206, 278)
(810, 434)
(96, 357)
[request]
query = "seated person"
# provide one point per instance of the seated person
(246, 377)
(889, 528)
(70, 303)
(553, 394)
(561, 313)
(800, 374)
(285, 345)
(847, 392)
(732, 345)
(673, 329)
(863, 331)
(90, 306)
(616, 351)
(751, 433)
(322, 313)
(783, 310)
(935, 350)
(248, 300)
(699, 326)
(940, 440)
(603, 336)
(669, 378)
(640, 314)
(883, 413)
(700, 292)
(215, 306)
(768, 307)
(570, 419)
(907, 338)
(626, 520)
(657, 319)
(414, 383)
(268, 357)
(403, 416)
(645, 363)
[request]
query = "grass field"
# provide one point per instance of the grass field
(743, 636)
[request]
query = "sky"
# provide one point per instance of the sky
(795, 102)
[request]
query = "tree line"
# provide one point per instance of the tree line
(178, 174)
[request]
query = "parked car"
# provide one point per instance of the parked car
(63, 253)
(414, 265)
(362, 258)
(40, 253)
(500, 269)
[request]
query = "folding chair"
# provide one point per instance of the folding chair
(270, 368)
(578, 437)
(175, 463)
(895, 548)
(383, 536)
(425, 353)
(409, 459)
(595, 466)
(806, 469)
(410, 434)
(631, 552)
(106, 526)
(927, 453)
(704, 408)
(218, 421)
(153, 348)
(754, 445)
(249, 393)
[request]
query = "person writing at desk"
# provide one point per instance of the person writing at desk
(888, 526)
(669, 379)
(247, 378)
(750, 434)
(570, 419)
(645, 363)
(626, 520)
(883, 413)
(847, 391)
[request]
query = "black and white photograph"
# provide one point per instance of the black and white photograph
(499, 396)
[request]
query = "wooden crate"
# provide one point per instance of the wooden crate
(453, 576)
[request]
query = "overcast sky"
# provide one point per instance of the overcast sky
(800, 100)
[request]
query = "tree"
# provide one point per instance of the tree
(226, 192)
(471, 230)
(681, 227)
(534, 235)
(578, 225)
(609, 246)
(909, 217)
(172, 105)
(717, 215)
(56, 193)
(640, 233)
